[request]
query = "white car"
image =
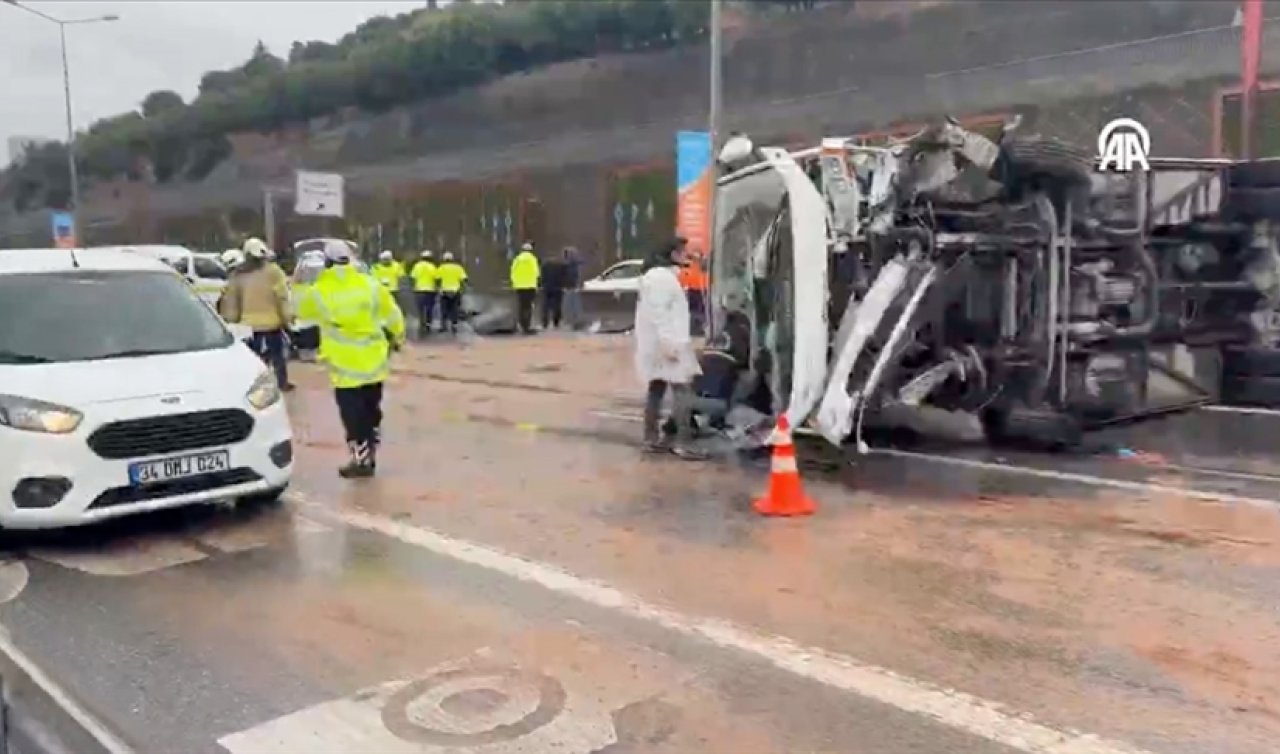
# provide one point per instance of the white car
(205, 273)
(120, 392)
(623, 276)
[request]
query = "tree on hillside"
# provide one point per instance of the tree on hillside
(382, 63)
(160, 102)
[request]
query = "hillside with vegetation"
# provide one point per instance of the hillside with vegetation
(383, 63)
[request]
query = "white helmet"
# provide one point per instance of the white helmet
(426, 254)
(232, 258)
(254, 248)
(526, 246)
(386, 255)
(337, 251)
(448, 256)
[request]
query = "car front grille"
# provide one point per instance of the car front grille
(173, 433)
(202, 483)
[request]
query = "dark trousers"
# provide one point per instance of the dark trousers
(270, 347)
(450, 310)
(524, 308)
(697, 311)
(552, 303)
(426, 310)
(360, 409)
(681, 410)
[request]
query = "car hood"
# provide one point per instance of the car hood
(88, 382)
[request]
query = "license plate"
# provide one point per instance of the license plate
(178, 467)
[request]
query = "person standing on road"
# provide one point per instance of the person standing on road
(524, 281)
(360, 325)
(231, 260)
(389, 271)
(573, 287)
(258, 296)
(664, 357)
(425, 283)
(452, 279)
(553, 284)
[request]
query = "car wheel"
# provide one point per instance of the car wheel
(1263, 392)
(268, 499)
(1027, 156)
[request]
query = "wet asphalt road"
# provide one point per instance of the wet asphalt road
(1129, 595)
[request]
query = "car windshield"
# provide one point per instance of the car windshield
(308, 269)
(80, 316)
(623, 272)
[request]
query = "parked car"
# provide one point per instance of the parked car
(623, 276)
(122, 393)
(205, 273)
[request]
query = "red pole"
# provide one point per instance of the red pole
(1251, 58)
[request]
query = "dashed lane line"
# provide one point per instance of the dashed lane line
(948, 707)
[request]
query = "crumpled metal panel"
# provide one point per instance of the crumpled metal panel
(809, 247)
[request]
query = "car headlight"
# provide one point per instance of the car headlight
(31, 415)
(264, 393)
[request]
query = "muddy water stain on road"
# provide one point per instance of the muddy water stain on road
(1066, 600)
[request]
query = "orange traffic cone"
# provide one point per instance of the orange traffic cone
(785, 496)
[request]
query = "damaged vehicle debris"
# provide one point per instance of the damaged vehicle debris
(1003, 286)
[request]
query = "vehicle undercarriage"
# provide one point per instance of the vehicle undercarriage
(1008, 281)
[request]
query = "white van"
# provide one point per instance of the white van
(205, 273)
(120, 393)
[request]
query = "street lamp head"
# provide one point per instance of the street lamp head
(111, 17)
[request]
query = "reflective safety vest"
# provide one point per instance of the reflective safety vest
(451, 276)
(693, 277)
(355, 314)
(389, 274)
(524, 271)
(424, 276)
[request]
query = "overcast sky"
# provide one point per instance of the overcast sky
(156, 44)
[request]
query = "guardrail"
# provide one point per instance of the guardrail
(38, 716)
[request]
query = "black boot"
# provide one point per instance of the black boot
(360, 466)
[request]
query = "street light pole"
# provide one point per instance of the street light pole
(713, 127)
(72, 172)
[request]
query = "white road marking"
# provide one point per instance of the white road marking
(1241, 410)
(1088, 479)
(13, 579)
(132, 557)
(1063, 476)
(570, 713)
(20, 670)
(948, 707)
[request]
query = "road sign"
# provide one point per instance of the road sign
(64, 230)
(319, 194)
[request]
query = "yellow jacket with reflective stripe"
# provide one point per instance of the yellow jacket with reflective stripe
(524, 271)
(389, 274)
(451, 276)
(424, 276)
(257, 297)
(355, 314)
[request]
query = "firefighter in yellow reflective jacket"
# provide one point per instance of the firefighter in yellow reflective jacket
(359, 325)
(389, 271)
(525, 273)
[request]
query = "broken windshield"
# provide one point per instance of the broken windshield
(746, 208)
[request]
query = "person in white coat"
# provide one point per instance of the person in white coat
(664, 358)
